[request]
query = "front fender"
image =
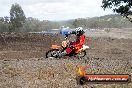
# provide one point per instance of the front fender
(84, 47)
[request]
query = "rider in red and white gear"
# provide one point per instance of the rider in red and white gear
(76, 45)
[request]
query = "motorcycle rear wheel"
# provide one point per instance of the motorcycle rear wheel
(53, 53)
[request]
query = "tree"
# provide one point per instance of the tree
(1, 19)
(4, 24)
(6, 19)
(17, 17)
(122, 7)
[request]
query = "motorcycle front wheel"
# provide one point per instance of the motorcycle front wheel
(53, 53)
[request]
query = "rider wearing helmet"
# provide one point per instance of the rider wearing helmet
(76, 45)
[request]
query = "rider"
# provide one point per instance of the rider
(76, 45)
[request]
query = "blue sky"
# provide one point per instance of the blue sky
(56, 10)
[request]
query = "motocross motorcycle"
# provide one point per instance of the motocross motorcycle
(55, 51)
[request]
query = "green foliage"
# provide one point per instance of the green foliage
(122, 7)
(1, 19)
(34, 25)
(17, 17)
(4, 24)
(108, 21)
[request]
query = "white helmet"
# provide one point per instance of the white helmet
(79, 31)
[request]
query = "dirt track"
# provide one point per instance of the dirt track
(22, 63)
